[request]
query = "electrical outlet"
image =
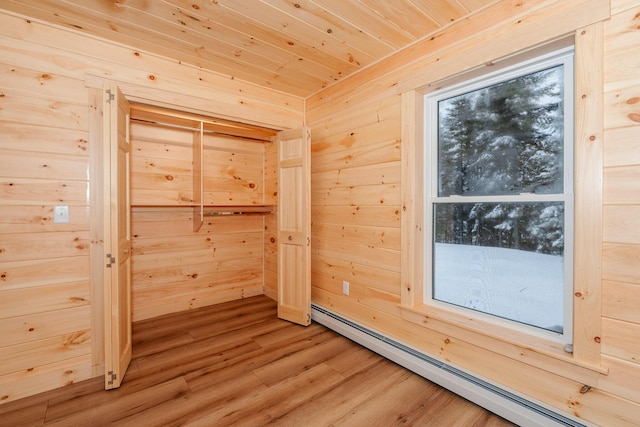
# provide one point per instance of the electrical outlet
(345, 287)
(61, 214)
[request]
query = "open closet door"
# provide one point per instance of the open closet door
(117, 276)
(294, 226)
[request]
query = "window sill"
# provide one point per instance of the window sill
(531, 350)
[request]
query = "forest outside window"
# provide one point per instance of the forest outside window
(499, 197)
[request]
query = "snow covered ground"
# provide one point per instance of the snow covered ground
(523, 286)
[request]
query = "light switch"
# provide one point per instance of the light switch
(61, 214)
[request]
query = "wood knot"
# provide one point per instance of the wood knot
(634, 117)
(597, 339)
(169, 177)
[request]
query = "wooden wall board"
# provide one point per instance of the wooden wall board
(33, 327)
(39, 139)
(338, 269)
(35, 219)
(40, 272)
(621, 223)
(57, 296)
(23, 357)
(620, 340)
(57, 374)
(621, 300)
(620, 262)
(622, 147)
(622, 185)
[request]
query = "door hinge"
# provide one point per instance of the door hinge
(111, 97)
(112, 377)
(110, 259)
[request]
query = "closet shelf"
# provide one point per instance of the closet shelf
(203, 211)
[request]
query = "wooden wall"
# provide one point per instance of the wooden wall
(175, 268)
(50, 298)
(356, 128)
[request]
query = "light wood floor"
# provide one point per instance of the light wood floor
(237, 364)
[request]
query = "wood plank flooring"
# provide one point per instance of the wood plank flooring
(237, 364)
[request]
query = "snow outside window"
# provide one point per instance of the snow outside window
(500, 196)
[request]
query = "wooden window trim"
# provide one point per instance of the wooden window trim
(588, 148)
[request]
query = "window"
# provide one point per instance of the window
(499, 196)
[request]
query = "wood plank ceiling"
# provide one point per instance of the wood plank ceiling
(295, 46)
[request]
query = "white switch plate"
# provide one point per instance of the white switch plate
(345, 287)
(61, 214)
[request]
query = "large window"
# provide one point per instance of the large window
(499, 196)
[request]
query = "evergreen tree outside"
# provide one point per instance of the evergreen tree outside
(503, 140)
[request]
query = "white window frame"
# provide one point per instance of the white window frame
(563, 57)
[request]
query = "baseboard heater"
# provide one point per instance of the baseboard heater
(508, 405)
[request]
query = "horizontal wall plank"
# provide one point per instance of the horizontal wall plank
(364, 195)
(382, 173)
(374, 237)
(622, 185)
(21, 191)
(201, 275)
(620, 339)
(357, 155)
(41, 139)
(620, 261)
(35, 83)
(18, 108)
(43, 298)
(620, 301)
(338, 269)
(622, 379)
(622, 105)
(23, 329)
(45, 377)
(621, 223)
(372, 257)
(39, 219)
(227, 255)
(172, 305)
(622, 147)
(218, 242)
(383, 216)
(17, 164)
(42, 272)
(28, 356)
(22, 247)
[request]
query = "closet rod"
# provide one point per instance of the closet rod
(215, 213)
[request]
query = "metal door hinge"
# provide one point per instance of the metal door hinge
(110, 259)
(112, 96)
(112, 377)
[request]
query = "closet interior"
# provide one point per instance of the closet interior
(203, 216)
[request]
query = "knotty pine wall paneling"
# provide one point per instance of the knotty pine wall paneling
(356, 128)
(48, 292)
(174, 267)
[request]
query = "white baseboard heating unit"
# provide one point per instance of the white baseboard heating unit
(507, 404)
